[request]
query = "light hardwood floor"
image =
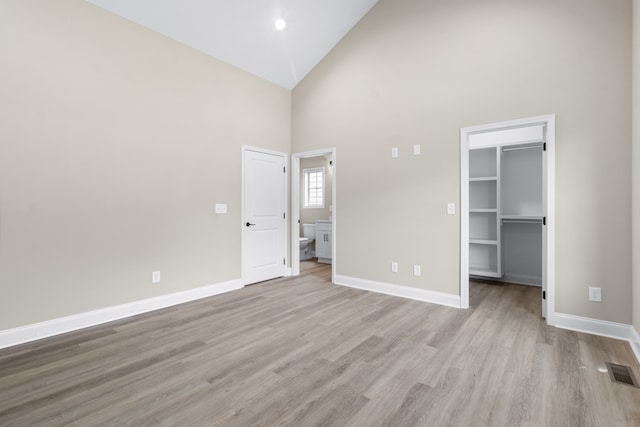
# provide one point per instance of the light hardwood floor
(303, 352)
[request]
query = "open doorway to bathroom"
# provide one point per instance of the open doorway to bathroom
(314, 214)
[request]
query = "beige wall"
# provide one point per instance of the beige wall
(416, 72)
(636, 164)
(311, 215)
(115, 144)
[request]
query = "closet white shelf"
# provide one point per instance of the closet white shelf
(483, 210)
(483, 242)
(483, 178)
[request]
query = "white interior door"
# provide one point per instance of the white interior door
(264, 208)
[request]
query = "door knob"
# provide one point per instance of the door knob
(249, 224)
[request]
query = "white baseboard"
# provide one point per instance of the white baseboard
(23, 334)
(522, 279)
(603, 328)
(441, 298)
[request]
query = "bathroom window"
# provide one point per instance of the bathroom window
(314, 188)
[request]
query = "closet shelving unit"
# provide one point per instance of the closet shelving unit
(505, 212)
(484, 218)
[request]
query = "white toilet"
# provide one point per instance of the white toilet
(306, 241)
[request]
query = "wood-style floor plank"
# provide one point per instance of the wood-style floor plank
(303, 352)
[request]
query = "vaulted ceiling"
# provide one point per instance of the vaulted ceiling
(243, 33)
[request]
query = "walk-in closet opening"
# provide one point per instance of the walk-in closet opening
(507, 206)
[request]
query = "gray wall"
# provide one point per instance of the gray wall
(416, 72)
(636, 164)
(115, 145)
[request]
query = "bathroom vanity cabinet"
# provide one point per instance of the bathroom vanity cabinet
(324, 244)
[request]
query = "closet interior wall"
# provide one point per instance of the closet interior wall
(521, 214)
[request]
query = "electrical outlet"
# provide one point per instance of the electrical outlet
(221, 208)
(394, 267)
(394, 153)
(417, 271)
(595, 294)
(416, 150)
(155, 277)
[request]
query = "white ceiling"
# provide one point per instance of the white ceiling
(242, 32)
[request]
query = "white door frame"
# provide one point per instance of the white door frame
(295, 207)
(549, 202)
(284, 208)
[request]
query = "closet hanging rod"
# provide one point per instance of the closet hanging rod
(521, 148)
(522, 221)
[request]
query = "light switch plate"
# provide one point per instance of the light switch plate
(155, 277)
(394, 267)
(221, 208)
(451, 208)
(416, 150)
(394, 152)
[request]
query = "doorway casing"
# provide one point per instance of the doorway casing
(548, 176)
(295, 207)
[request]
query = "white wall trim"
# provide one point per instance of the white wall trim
(603, 328)
(635, 343)
(441, 298)
(521, 279)
(23, 334)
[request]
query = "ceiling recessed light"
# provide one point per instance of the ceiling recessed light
(281, 24)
